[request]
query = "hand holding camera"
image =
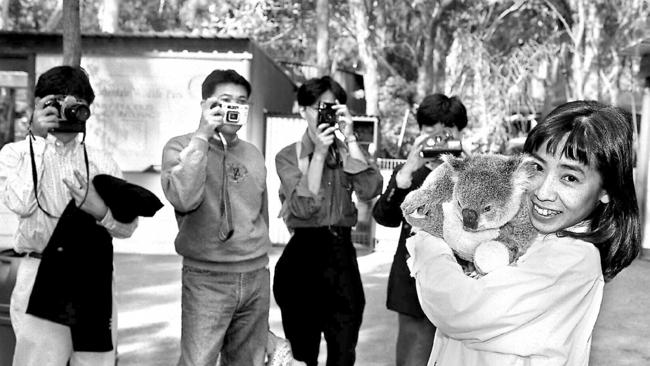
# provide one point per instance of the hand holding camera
(216, 113)
(336, 115)
(60, 113)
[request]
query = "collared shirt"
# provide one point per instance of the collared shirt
(55, 161)
(541, 311)
(333, 205)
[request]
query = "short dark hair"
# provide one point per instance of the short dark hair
(217, 77)
(312, 89)
(66, 80)
(598, 136)
(438, 108)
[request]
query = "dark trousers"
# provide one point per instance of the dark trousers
(318, 288)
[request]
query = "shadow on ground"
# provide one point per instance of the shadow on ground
(149, 313)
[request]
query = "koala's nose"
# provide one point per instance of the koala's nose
(470, 219)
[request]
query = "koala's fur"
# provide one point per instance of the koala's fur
(464, 196)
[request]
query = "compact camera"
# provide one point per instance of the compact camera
(436, 145)
(327, 114)
(236, 114)
(72, 114)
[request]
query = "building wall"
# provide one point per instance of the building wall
(273, 92)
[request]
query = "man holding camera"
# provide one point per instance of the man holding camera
(317, 283)
(43, 177)
(440, 120)
(217, 185)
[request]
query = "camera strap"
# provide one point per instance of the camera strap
(226, 230)
(35, 173)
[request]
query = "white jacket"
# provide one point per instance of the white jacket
(539, 312)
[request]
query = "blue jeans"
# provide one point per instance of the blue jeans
(224, 313)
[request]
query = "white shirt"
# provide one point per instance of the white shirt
(54, 162)
(541, 311)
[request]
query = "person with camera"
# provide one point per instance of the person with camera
(317, 283)
(440, 119)
(45, 178)
(217, 185)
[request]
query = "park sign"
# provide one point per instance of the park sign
(148, 86)
(143, 101)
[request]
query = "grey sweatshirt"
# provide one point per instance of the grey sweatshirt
(192, 182)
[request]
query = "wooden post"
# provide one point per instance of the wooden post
(71, 33)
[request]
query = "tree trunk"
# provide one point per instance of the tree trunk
(4, 14)
(109, 16)
(425, 69)
(359, 13)
(430, 61)
(71, 33)
(322, 37)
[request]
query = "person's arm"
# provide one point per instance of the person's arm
(183, 173)
(95, 205)
(387, 210)
(298, 197)
(16, 173)
(265, 205)
(551, 279)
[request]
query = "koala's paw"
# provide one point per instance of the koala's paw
(491, 255)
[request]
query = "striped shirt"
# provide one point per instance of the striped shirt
(55, 161)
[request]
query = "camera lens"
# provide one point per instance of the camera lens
(77, 113)
(232, 117)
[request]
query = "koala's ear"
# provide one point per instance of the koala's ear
(524, 169)
(456, 164)
(526, 164)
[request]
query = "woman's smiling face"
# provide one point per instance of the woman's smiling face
(564, 191)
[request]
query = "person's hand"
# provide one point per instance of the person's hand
(94, 204)
(211, 117)
(44, 118)
(414, 161)
(324, 139)
(346, 125)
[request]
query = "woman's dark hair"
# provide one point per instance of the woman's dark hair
(438, 108)
(65, 80)
(217, 77)
(312, 89)
(599, 136)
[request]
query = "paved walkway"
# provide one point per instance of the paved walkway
(149, 312)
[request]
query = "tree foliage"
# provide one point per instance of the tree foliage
(499, 57)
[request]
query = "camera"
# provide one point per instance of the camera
(72, 114)
(436, 145)
(327, 114)
(236, 114)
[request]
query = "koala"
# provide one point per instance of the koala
(464, 197)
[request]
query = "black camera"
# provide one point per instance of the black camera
(327, 114)
(72, 114)
(436, 145)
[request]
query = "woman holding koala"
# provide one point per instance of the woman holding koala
(542, 310)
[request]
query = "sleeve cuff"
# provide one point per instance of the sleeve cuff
(422, 248)
(108, 221)
(354, 166)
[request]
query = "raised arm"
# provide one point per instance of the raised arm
(387, 211)
(297, 197)
(184, 173)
